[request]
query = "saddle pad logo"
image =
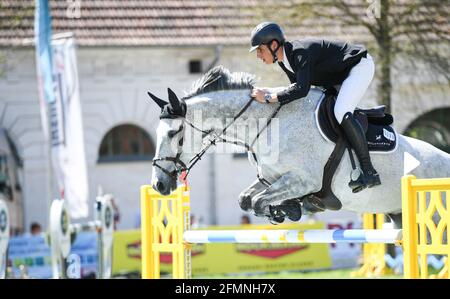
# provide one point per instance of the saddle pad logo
(389, 135)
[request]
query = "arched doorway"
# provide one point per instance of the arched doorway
(432, 127)
(126, 143)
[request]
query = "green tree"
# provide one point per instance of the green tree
(14, 15)
(418, 31)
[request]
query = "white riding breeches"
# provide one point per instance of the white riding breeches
(354, 87)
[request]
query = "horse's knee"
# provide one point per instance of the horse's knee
(259, 205)
(245, 201)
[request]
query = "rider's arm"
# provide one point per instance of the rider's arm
(274, 93)
(300, 88)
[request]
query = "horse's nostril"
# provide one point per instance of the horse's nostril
(160, 186)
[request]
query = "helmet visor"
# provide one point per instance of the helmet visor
(253, 48)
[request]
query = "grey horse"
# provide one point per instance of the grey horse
(293, 154)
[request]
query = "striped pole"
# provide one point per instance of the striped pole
(391, 236)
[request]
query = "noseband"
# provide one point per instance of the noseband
(179, 165)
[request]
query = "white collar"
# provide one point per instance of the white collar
(286, 61)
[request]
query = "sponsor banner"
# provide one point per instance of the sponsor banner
(44, 62)
(34, 253)
(85, 247)
(231, 258)
(127, 251)
(67, 140)
(57, 78)
(241, 258)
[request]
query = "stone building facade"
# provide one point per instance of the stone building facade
(115, 74)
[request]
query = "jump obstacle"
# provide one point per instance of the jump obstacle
(374, 263)
(4, 237)
(60, 236)
(165, 228)
(61, 230)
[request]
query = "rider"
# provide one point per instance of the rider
(322, 63)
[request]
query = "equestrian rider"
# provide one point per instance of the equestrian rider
(322, 63)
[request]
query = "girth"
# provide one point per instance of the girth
(325, 198)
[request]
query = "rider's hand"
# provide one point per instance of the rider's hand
(258, 94)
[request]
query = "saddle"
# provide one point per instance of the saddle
(374, 121)
(379, 134)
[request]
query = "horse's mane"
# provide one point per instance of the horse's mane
(220, 78)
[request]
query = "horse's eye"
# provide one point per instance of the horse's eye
(172, 133)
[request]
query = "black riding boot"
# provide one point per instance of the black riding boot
(357, 138)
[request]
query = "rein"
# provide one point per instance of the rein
(180, 166)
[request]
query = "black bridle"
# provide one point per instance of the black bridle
(180, 166)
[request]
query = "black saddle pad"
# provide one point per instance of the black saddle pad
(381, 137)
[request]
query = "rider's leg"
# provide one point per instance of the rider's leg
(351, 92)
(354, 87)
(357, 139)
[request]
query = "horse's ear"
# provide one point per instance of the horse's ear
(174, 101)
(157, 100)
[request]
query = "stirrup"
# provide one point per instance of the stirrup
(364, 181)
(313, 204)
(358, 184)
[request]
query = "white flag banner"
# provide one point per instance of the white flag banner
(67, 143)
(43, 33)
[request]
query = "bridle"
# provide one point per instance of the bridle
(181, 167)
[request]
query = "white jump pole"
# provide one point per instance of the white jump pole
(391, 236)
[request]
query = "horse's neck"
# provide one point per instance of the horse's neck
(215, 110)
(210, 109)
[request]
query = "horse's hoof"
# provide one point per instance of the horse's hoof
(276, 220)
(312, 205)
(292, 209)
(276, 214)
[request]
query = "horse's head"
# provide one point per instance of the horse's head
(170, 132)
(167, 164)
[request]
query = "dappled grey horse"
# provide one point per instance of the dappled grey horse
(291, 159)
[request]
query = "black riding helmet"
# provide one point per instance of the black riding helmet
(264, 34)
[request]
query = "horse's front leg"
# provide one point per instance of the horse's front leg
(245, 198)
(286, 187)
